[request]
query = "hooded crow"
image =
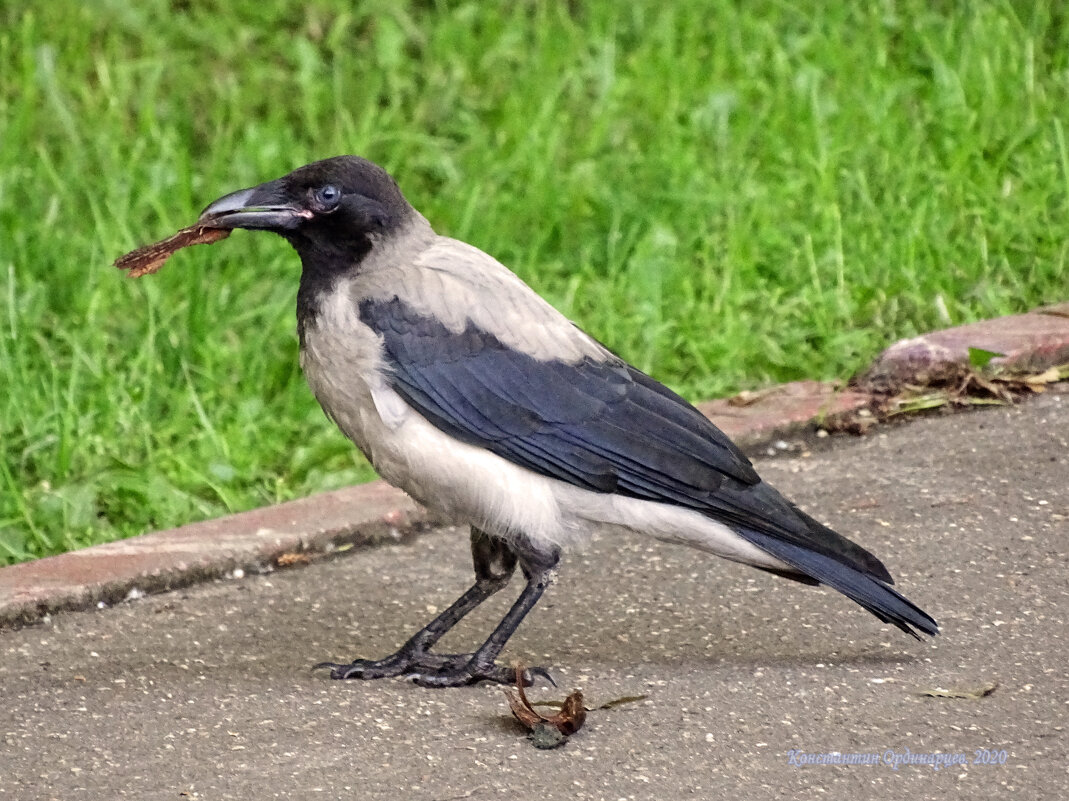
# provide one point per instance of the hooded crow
(471, 393)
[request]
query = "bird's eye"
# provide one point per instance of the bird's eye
(328, 197)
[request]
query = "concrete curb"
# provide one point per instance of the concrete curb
(374, 513)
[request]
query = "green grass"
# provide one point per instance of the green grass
(726, 193)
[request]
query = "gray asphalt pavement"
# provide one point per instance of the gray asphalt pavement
(207, 693)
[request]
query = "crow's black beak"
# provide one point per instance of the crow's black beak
(262, 207)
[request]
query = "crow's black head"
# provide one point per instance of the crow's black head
(330, 211)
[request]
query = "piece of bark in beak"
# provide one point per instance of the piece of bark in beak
(150, 258)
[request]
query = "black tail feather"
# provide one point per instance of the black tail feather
(884, 602)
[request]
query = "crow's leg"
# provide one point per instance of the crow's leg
(539, 566)
(494, 564)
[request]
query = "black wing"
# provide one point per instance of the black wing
(601, 425)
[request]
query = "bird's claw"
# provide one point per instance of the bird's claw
(473, 674)
(530, 674)
(359, 669)
(400, 664)
(434, 670)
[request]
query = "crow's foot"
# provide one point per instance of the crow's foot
(470, 673)
(402, 663)
(433, 670)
